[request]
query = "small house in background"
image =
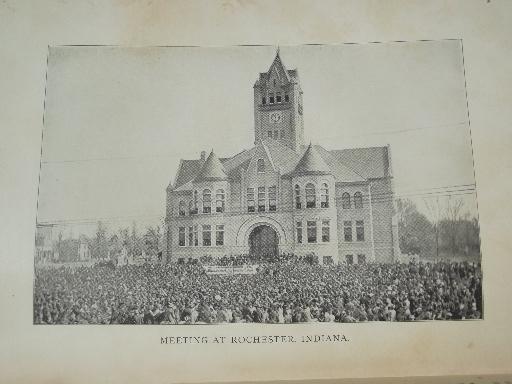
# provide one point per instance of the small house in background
(44, 248)
(84, 248)
(114, 248)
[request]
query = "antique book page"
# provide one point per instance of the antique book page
(255, 191)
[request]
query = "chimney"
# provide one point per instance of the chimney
(203, 155)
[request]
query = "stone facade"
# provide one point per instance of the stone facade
(337, 205)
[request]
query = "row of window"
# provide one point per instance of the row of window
(189, 236)
(193, 205)
(346, 202)
(311, 198)
(276, 134)
(347, 230)
(275, 97)
(311, 231)
(260, 199)
(361, 259)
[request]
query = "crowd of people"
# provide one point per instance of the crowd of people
(279, 292)
(245, 259)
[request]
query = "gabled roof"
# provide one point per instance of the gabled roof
(283, 157)
(311, 163)
(346, 165)
(294, 75)
(212, 169)
(291, 75)
(240, 161)
(188, 170)
(370, 162)
(340, 171)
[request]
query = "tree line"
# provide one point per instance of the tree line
(104, 244)
(448, 231)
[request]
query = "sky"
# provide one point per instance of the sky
(118, 120)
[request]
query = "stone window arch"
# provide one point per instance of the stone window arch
(298, 199)
(345, 200)
(310, 195)
(358, 200)
(324, 196)
(207, 201)
(220, 198)
(260, 166)
(195, 203)
(182, 208)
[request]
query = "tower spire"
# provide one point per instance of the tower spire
(278, 105)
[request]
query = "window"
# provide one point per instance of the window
(219, 235)
(276, 135)
(361, 259)
(207, 235)
(271, 98)
(207, 201)
(286, 98)
(261, 199)
(278, 97)
(360, 230)
(274, 82)
(260, 165)
(310, 196)
(299, 232)
(194, 204)
(263, 100)
(182, 208)
(181, 236)
(219, 200)
(311, 231)
(190, 236)
(190, 207)
(250, 200)
(347, 230)
(325, 231)
(324, 196)
(282, 133)
(272, 198)
(345, 200)
(196, 237)
(350, 259)
(269, 134)
(298, 203)
(358, 200)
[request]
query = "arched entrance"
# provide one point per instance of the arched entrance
(263, 242)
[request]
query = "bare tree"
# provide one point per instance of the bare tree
(434, 208)
(453, 216)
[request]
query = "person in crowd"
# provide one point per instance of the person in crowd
(287, 290)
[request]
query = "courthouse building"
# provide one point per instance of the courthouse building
(282, 196)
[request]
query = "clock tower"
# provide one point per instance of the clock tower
(278, 106)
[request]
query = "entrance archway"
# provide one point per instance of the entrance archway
(263, 242)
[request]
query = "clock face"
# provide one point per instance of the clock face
(276, 117)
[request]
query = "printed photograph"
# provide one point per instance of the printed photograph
(257, 184)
